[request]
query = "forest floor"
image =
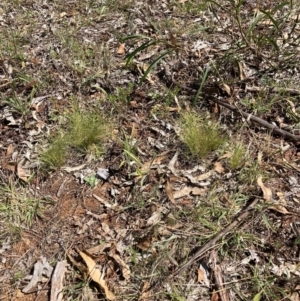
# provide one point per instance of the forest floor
(152, 143)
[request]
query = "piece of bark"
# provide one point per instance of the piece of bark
(57, 281)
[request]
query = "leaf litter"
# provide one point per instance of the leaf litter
(143, 228)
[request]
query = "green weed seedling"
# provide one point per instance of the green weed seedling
(91, 180)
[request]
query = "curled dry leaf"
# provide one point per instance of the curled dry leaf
(204, 176)
(215, 296)
(169, 191)
(280, 205)
(146, 293)
(203, 276)
(219, 168)
(124, 267)
(9, 152)
(157, 161)
(121, 49)
(96, 275)
(227, 89)
(226, 156)
(187, 191)
(5, 163)
(200, 275)
(21, 173)
(279, 208)
(267, 192)
(144, 244)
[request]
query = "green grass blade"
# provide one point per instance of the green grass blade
(133, 157)
(269, 16)
(145, 45)
(154, 63)
(203, 80)
(135, 36)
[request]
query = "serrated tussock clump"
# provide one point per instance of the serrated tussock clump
(85, 132)
(200, 135)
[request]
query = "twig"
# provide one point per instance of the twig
(209, 245)
(294, 92)
(215, 239)
(258, 120)
(248, 116)
(223, 293)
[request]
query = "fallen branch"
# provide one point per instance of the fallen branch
(211, 243)
(274, 89)
(258, 120)
(248, 116)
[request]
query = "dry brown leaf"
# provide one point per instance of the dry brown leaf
(185, 202)
(280, 205)
(173, 109)
(279, 208)
(200, 275)
(5, 164)
(146, 167)
(133, 104)
(204, 176)
(144, 244)
(267, 192)
(146, 293)
(187, 191)
(169, 192)
(19, 294)
(241, 71)
(226, 156)
(227, 89)
(294, 296)
(219, 168)
(9, 151)
(121, 49)
(282, 200)
(10, 166)
(21, 173)
(124, 267)
(99, 248)
(96, 275)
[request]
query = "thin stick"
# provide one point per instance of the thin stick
(251, 117)
(215, 239)
(258, 120)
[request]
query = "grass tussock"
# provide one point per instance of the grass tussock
(18, 209)
(238, 156)
(199, 135)
(85, 132)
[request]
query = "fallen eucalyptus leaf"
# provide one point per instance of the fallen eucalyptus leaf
(96, 275)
